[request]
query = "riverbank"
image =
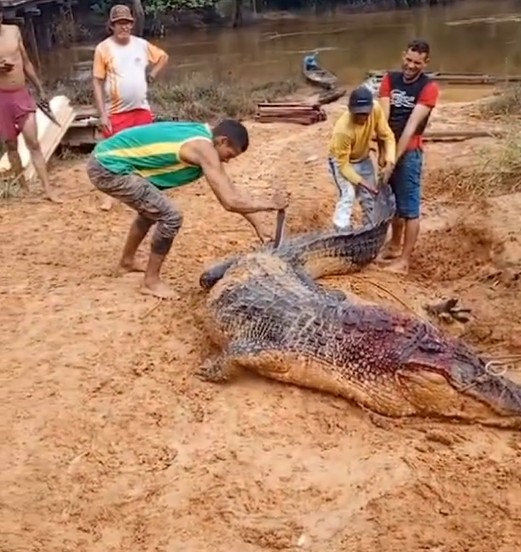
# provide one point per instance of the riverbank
(165, 18)
(111, 443)
(195, 97)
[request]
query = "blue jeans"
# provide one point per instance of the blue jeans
(406, 184)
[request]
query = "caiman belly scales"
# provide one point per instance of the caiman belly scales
(268, 315)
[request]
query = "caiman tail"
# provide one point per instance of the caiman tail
(325, 253)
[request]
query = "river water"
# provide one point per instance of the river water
(472, 35)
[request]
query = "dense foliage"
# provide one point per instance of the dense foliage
(156, 8)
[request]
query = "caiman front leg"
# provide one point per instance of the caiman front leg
(227, 365)
(239, 355)
(217, 370)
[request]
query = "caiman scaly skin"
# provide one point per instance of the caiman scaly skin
(267, 315)
(323, 253)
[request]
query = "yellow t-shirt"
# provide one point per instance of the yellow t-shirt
(351, 143)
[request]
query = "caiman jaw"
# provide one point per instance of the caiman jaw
(488, 399)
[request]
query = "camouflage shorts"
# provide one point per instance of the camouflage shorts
(139, 194)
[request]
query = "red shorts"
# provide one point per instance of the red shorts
(128, 119)
(15, 107)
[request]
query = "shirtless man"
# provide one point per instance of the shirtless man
(17, 106)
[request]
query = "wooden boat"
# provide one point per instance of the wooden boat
(317, 75)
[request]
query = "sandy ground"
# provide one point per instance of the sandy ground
(109, 443)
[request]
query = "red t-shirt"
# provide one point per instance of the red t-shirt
(429, 97)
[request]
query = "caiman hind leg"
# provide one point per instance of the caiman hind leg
(242, 355)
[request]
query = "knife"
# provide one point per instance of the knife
(44, 106)
(279, 231)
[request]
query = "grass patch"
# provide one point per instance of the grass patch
(9, 186)
(496, 172)
(497, 169)
(195, 98)
(506, 104)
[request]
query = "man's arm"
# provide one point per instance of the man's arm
(233, 199)
(29, 70)
(202, 153)
(99, 74)
(384, 95)
(340, 149)
(158, 58)
(385, 135)
(426, 103)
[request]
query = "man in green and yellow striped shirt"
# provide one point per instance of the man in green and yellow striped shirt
(136, 165)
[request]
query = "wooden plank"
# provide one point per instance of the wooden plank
(49, 135)
(77, 136)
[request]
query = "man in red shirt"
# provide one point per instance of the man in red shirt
(407, 97)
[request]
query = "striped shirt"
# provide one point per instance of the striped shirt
(153, 152)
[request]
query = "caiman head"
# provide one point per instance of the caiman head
(443, 377)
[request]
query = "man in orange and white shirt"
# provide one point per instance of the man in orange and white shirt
(120, 78)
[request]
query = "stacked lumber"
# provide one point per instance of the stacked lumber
(290, 112)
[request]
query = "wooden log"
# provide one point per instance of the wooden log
(288, 120)
(287, 104)
(285, 112)
(460, 135)
(303, 120)
(289, 107)
(301, 105)
(327, 97)
(459, 78)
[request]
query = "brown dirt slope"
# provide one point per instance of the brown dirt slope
(109, 443)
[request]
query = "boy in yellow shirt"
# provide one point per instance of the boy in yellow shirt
(349, 161)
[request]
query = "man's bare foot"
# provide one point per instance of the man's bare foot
(159, 289)
(53, 197)
(398, 267)
(132, 265)
(106, 205)
(389, 253)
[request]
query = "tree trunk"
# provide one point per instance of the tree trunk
(237, 16)
(139, 14)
